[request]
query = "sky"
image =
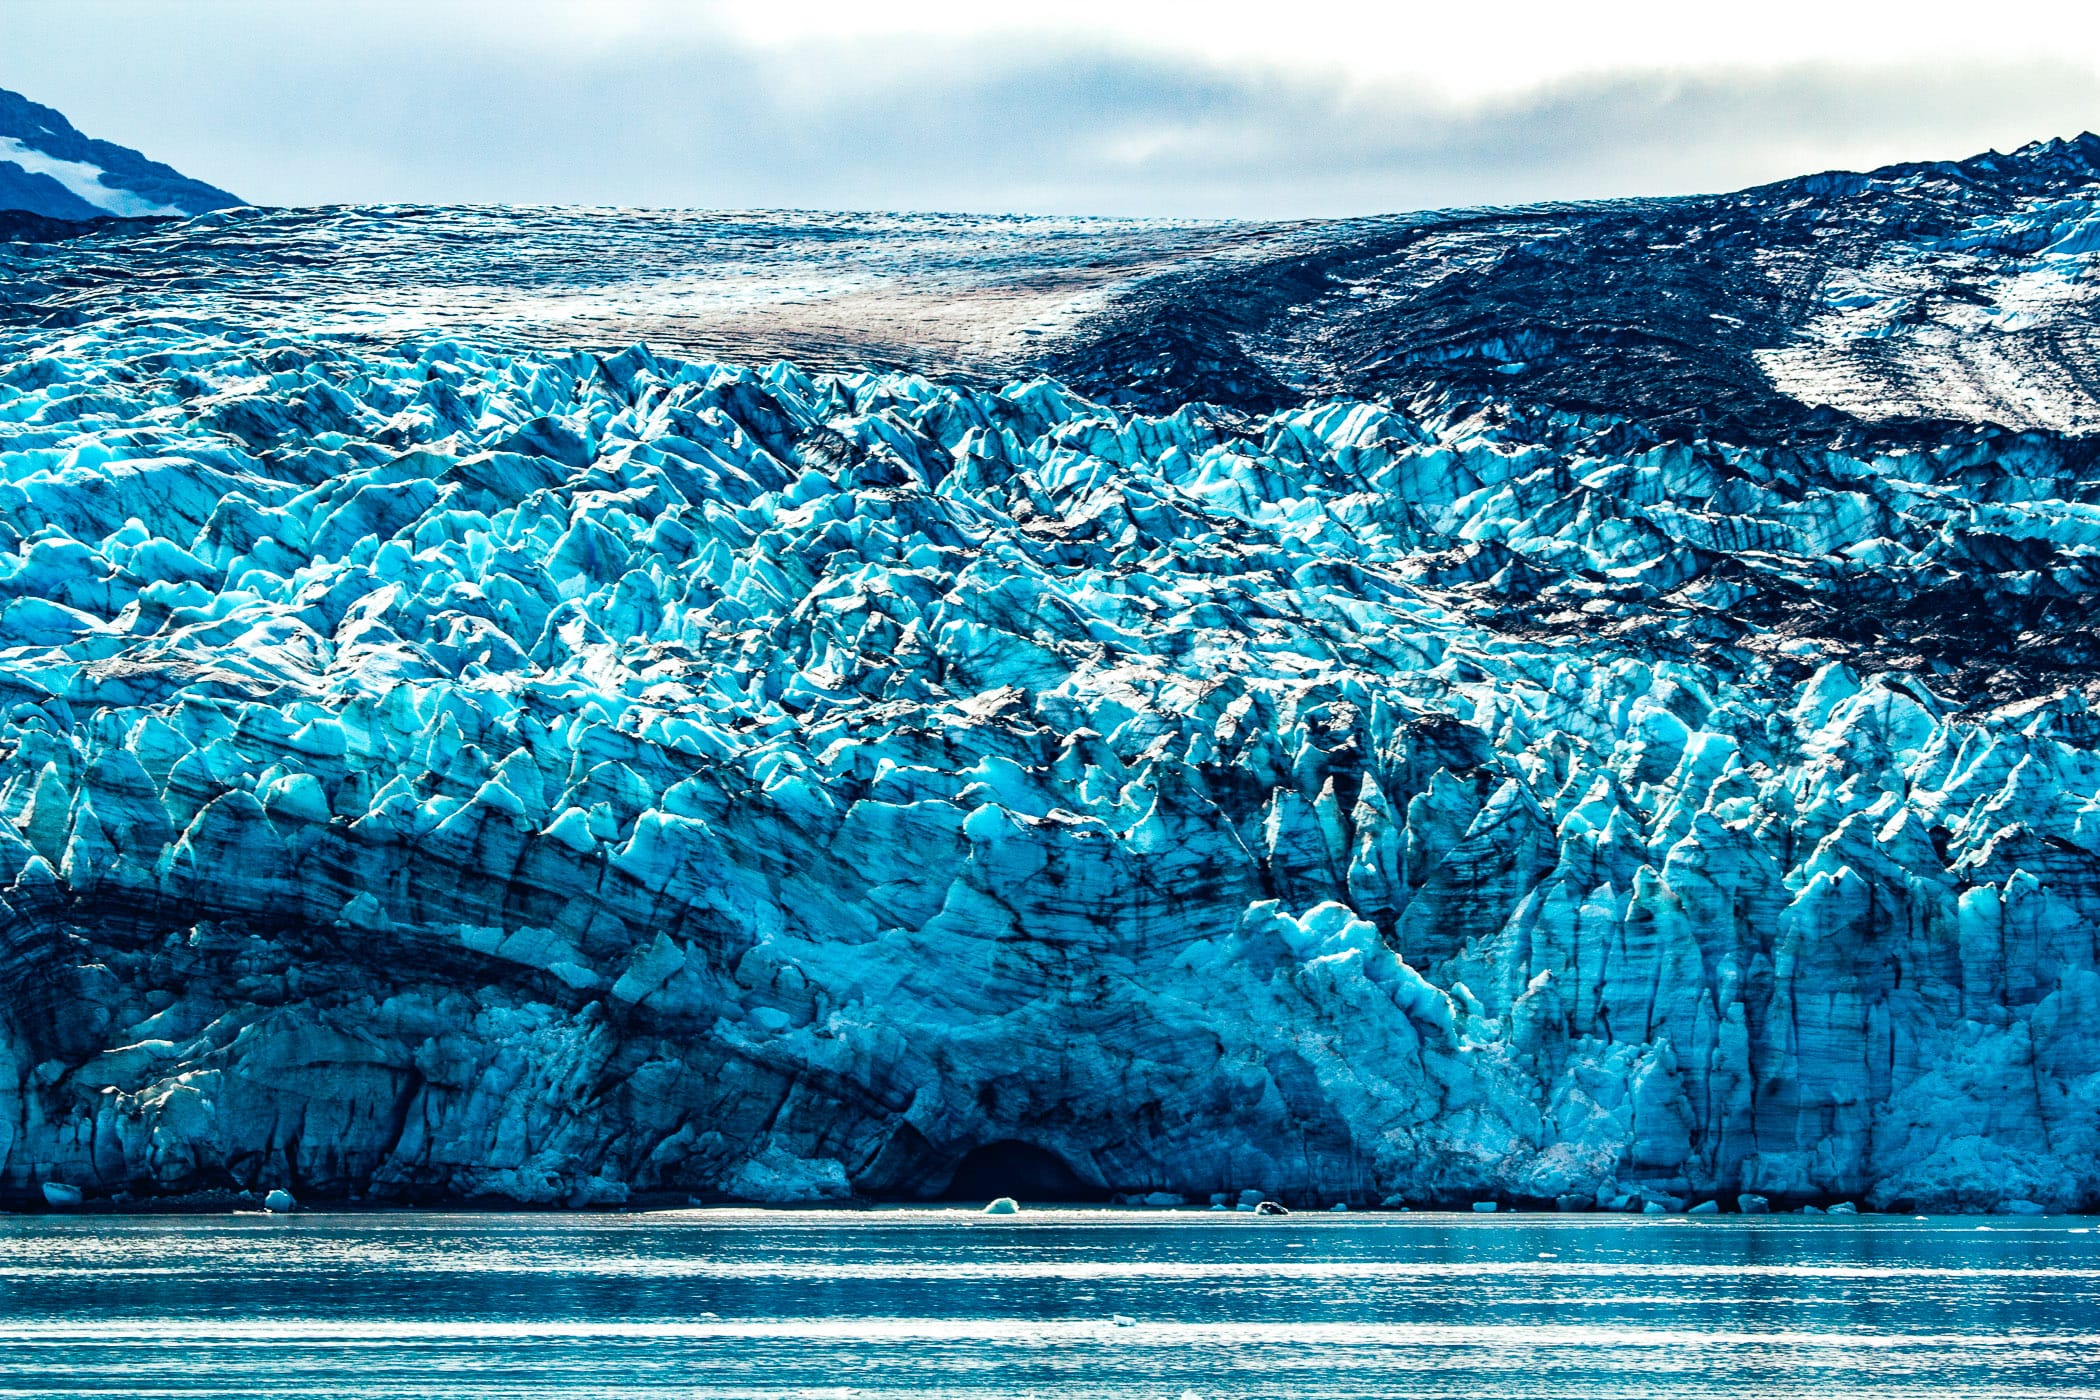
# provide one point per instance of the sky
(1276, 109)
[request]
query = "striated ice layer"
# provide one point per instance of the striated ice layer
(451, 772)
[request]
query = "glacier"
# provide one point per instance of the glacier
(449, 767)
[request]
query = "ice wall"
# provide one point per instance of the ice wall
(450, 772)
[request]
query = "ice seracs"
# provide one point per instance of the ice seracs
(459, 772)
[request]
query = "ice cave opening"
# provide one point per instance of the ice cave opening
(1021, 1170)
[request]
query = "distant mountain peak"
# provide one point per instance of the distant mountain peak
(49, 167)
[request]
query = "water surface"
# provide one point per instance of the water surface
(1046, 1304)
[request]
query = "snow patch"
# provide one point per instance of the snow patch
(82, 179)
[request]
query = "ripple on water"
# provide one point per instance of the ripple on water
(932, 1304)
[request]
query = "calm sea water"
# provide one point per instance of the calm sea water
(1049, 1304)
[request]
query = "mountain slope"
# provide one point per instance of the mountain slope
(49, 168)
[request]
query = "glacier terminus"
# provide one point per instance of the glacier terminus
(1585, 705)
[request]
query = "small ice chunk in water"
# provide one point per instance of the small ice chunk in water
(1750, 1203)
(1004, 1205)
(2021, 1207)
(57, 1193)
(279, 1202)
(1251, 1197)
(1843, 1208)
(1484, 1207)
(1124, 1320)
(1340, 1207)
(1705, 1208)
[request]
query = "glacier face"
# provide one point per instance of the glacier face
(456, 768)
(452, 772)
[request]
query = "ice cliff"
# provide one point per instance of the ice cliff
(448, 770)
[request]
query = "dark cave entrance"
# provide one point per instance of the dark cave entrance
(1018, 1169)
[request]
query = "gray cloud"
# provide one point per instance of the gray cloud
(312, 104)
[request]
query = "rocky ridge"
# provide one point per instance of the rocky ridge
(50, 170)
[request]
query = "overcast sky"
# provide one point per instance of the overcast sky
(1278, 108)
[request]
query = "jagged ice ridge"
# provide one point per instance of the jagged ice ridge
(455, 772)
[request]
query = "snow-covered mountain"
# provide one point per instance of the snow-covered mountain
(49, 168)
(1585, 705)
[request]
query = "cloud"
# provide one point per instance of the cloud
(310, 104)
